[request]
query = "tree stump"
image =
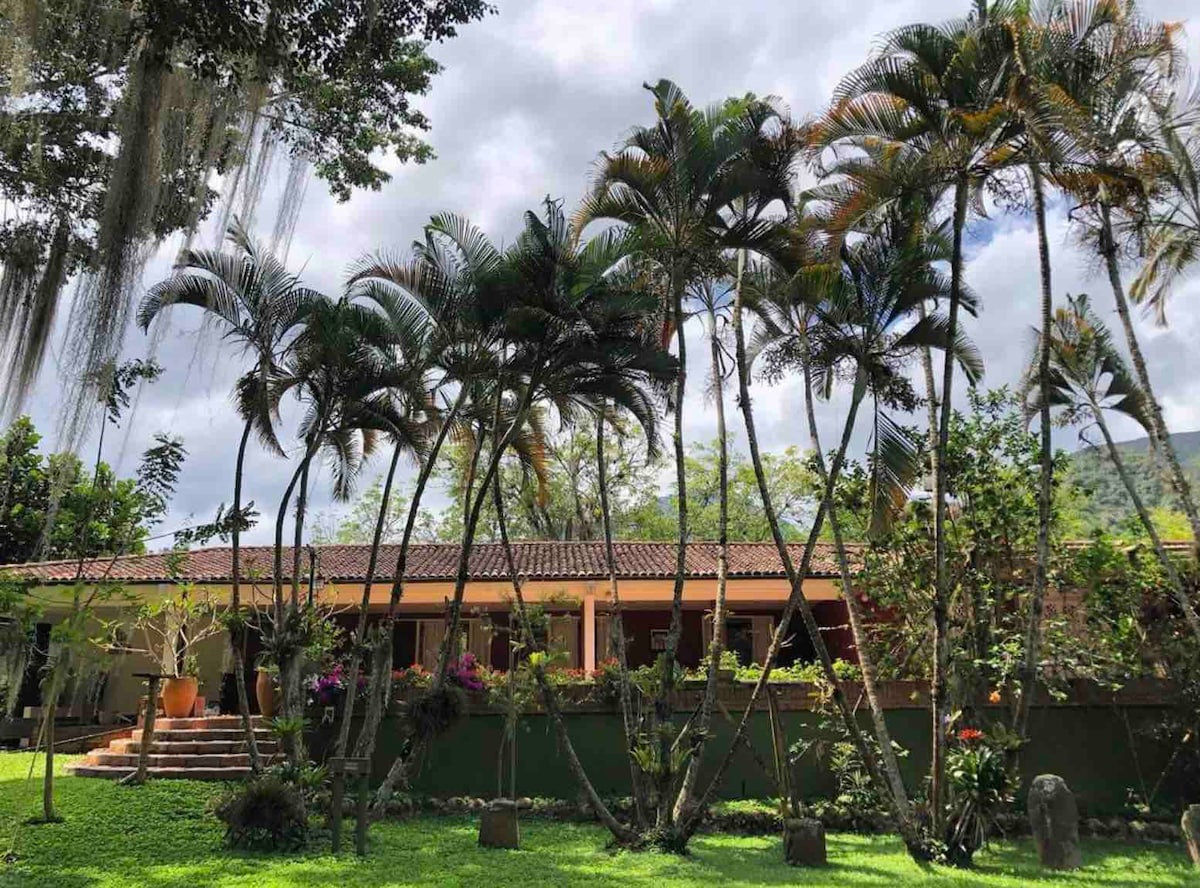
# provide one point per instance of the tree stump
(1190, 825)
(1054, 818)
(498, 825)
(804, 842)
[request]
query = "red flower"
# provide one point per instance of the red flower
(967, 735)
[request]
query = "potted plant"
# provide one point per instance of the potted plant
(172, 629)
(266, 686)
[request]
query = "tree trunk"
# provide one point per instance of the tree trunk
(1160, 436)
(364, 609)
(1037, 602)
(1177, 586)
(399, 768)
(887, 754)
(620, 832)
(716, 645)
(380, 690)
(662, 701)
(941, 620)
(617, 634)
(237, 633)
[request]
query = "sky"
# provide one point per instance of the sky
(527, 100)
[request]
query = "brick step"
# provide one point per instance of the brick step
(116, 773)
(199, 760)
(187, 735)
(208, 722)
(185, 747)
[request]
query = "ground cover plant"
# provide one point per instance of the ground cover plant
(163, 835)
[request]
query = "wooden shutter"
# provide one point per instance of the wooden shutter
(761, 628)
(479, 642)
(564, 638)
(429, 641)
(604, 648)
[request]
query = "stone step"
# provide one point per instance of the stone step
(186, 747)
(188, 735)
(116, 773)
(200, 760)
(208, 722)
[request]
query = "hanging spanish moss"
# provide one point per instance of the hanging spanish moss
(28, 321)
(290, 204)
(16, 645)
(100, 311)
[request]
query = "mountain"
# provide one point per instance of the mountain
(1108, 504)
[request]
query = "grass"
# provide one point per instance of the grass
(161, 836)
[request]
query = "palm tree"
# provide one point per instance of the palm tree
(672, 183)
(931, 101)
(1088, 379)
(586, 320)
(1111, 117)
(260, 304)
(342, 368)
(836, 318)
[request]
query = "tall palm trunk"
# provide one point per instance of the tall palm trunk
(662, 701)
(620, 832)
(381, 684)
(284, 623)
(1160, 436)
(364, 609)
(1037, 602)
(717, 644)
(941, 620)
(796, 600)
(399, 768)
(887, 753)
(617, 633)
(1177, 585)
(941, 578)
(237, 633)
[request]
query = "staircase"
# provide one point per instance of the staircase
(209, 748)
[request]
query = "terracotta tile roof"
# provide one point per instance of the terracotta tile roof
(439, 561)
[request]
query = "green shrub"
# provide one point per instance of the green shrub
(266, 814)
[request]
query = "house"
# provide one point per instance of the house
(568, 580)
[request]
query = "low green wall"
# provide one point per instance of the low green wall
(1088, 746)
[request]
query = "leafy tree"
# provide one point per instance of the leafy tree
(118, 512)
(116, 114)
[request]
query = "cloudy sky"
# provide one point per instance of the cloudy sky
(527, 100)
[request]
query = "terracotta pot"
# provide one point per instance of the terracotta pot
(179, 696)
(264, 691)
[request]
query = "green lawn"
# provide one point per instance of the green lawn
(160, 836)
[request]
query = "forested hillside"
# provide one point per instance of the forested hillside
(1109, 505)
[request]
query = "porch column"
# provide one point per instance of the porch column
(589, 633)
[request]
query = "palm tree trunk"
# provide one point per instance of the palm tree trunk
(364, 609)
(796, 600)
(941, 578)
(237, 631)
(1160, 436)
(1037, 602)
(662, 701)
(1177, 586)
(620, 832)
(298, 534)
(381, 686)
(399, 768)
(941, 620)
(289, 678)
(887, 753)
(716, 645)
(616, 620)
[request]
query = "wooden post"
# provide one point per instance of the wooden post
(152, 682)
(340, 769)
